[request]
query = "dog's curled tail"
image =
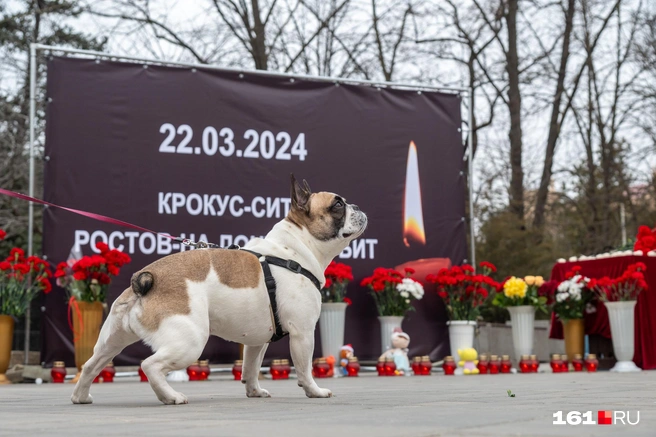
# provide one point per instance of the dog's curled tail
(142, 283)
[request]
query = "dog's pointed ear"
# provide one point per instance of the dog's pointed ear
(300, 194)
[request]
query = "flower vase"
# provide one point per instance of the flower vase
(461, 336)
(522, 319)
(86, 329)
(622, 328)
(6, 338)
(574, 333)
(331, 328)
(387, 325)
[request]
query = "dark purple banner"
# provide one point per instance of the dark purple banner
(207, 155)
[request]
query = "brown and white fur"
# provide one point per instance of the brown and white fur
(177, 302)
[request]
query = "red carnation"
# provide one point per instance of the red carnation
(46, 285)
(409, 270)
(102, 247)
(4, 266)
(23, 268)
(328, 284)
(3, 234)
(80, 275)
(16, 254)
(347, 301)
(443, 294)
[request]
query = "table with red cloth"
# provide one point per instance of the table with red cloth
(597, 322)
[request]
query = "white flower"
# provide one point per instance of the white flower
(409, 287)
(561, 297)
(562, 260)
(572, 259)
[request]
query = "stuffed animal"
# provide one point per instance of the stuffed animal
(399, 352)
(468, 361)
(345, 352)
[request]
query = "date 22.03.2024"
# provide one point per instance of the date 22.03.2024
(265, 144)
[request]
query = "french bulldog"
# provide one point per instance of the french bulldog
(177, 302)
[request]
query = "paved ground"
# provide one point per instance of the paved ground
(364, 406)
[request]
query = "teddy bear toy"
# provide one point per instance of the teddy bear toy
(468, 361)
(345, 352)
(399, 352)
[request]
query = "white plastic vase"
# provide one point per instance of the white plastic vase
(622, 329)
(331, 327)
(522, 319)
(461, 336)
(387, 325)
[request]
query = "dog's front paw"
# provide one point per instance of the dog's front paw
(257, 393)
(78, 400)
(177, 399)
(319, 393)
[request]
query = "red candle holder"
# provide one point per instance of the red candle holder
(449, 366)
(591, 363)
(204, 372)
(353, 367)
(534, 363)
(276, 370)
(577, 363)
(525, 364)
(107, 374)
(390, 367)
(320, 368)
(416, 365)
(556, 363)
(425, 365)
(194, 372)
(494, 364)
(58, 372)
(380, 367)
(506, 365)
(286, 369)
(142, 375)
(483, 364)
(237, 369)
(564, 368)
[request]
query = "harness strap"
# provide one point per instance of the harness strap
(270, 283)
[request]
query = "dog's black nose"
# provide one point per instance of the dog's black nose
(355, 207)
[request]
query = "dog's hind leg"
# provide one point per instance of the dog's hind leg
(113, 338)
(253, 356)
(182, 343)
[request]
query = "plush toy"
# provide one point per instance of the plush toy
(399, 352)
(468, 361)
(345, 353)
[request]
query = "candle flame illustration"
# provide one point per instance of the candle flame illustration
(413, 216)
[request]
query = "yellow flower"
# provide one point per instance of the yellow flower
(539, 280)
(515, 288)
(530, 280)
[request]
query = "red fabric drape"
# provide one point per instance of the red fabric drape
(597, 323)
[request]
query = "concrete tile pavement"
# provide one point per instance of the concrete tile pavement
(364, 406)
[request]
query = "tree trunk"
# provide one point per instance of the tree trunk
(554, 126)
(514, 107)
(258, 42)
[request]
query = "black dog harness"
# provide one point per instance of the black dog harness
(270, 282)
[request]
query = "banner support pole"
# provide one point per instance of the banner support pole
(470, 148)
(30, 211)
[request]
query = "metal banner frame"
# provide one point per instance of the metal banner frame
(34, 48)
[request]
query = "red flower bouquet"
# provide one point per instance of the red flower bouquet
(393, 291)
(462, 291)
(338, 276)
(20, 280)
(645, 240)
(624, 288)
(88, 278)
